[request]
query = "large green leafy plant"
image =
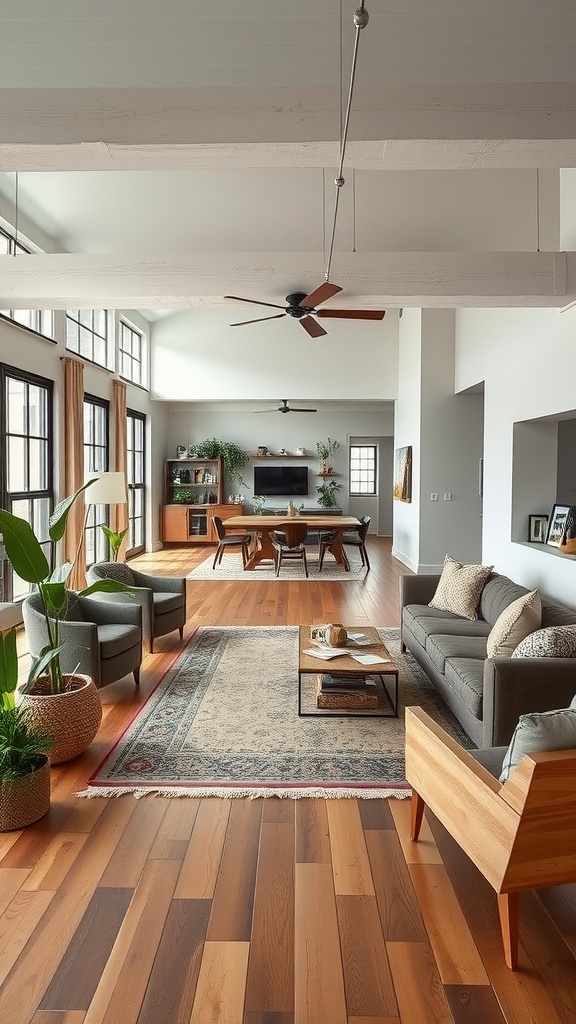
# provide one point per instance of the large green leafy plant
(327, 494)
(28, 559)
(233, 457)
(21, 745)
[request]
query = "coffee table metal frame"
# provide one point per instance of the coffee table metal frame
(392, 670)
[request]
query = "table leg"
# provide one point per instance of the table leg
(263, 549)
(336, 548)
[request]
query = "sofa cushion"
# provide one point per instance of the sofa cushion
(425, 626)
(535, 733)
(466, 677)
(515, 623)
(553, 642)
(459, 587)
(440, 647)
(498, 593)
(554, 614)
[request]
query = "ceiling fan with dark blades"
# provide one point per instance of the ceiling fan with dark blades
(303, 308)
(286, 408)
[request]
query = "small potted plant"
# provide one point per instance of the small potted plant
(326, 450)
(24, 764)
(327, 494)
(233, 457)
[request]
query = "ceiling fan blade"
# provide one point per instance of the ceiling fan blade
(353, 314)
(256, 302)
(300, 409)
(258, 320)
(312, 327)
(257, 411)
(321, 294)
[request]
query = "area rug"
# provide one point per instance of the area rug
(231, 568)
(223, 721)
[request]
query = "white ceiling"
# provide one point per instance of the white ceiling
(179, 136)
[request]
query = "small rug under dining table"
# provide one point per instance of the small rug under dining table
(223, 721)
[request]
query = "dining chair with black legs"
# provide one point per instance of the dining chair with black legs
(229, 540)
(355, 538)
(288, 543)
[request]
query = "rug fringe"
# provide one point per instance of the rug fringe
(230, 793)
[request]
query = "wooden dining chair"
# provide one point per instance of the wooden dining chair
(356, 538)
(229, 540)
(288, 542)
(520, 834)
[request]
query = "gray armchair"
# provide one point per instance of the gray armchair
(101, 639)
(162, 598)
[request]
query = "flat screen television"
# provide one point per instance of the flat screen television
(277, 480)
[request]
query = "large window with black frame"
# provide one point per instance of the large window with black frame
(362, 469)
(96, 416)
(26, 465)
(136, 481)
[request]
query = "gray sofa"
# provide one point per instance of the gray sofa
(487, 695)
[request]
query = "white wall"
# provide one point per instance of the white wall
(407, 430)
(526, 359)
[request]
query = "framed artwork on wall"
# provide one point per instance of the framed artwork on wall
(537, 529)
(557, 523)
(403, 474)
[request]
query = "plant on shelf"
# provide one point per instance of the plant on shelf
(327, 494)
(26, 555)
(326, 450)
(182, 496)
(233, 457)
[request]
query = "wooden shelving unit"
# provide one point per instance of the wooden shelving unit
(190, 521)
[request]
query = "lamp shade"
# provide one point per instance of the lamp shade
(108, 489)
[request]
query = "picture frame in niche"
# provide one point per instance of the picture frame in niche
(557, 523)
(537, 529)
(403, 474)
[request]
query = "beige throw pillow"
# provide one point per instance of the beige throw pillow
(460, 587)
(514, 624)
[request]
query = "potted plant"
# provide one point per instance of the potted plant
(24, 764)
(326, 452)
(69, 703)
(233, 457)
(327, 494)
(114, 539)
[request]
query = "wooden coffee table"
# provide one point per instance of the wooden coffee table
(347, 666)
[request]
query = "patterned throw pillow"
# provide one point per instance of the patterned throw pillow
(520, 618)
(553, 642)
(549, 730)
(121, 572)
(459, 588)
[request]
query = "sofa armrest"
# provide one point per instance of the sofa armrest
(417, 589)
(518, 686)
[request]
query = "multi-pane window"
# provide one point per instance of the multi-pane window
(27, 462)
(87, 334)
(136, 481)
(95, 461)
(131, 353)
(39, 320)
(362, 469)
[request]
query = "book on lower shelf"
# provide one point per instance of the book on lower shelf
(341, 681)
(345, 695)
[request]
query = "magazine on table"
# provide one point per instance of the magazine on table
(354, 639)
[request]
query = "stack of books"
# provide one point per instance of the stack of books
(357, 692)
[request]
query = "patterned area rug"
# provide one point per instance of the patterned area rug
(223, 722)
(231, 568)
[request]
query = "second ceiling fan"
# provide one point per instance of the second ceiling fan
(303, 308)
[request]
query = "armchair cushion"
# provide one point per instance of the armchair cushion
(460, 587)
(114, 639)
(164, 603)
(515, 623)
(549, 730)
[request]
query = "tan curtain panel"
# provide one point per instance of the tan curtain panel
(74, 545)
(119, 515)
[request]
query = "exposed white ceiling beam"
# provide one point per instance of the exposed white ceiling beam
(373, 279)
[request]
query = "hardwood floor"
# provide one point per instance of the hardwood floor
(160, 911)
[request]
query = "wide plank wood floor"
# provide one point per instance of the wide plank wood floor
(160, 911)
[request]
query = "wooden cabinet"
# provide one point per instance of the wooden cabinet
(192, 524)
(193, 482)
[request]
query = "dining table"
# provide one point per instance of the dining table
(262, 527)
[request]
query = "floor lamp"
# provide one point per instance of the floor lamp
(108, 489)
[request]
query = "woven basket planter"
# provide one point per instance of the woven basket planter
(72, 717)
(25, 799)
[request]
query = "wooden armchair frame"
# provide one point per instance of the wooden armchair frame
(520, 835)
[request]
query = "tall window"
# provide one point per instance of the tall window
(131, 351)
(95, 461)
(87, 334)
(27, 463)
(136, 481)
(362, 469)
(39, 320)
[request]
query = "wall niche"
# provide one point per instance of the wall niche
(543, 470)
